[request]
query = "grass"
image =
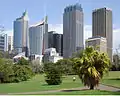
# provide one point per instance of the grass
(85, 92)
(113, 79)
(38, 84)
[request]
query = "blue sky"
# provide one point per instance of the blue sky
(11, 9)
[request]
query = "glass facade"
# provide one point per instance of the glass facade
(20, 42)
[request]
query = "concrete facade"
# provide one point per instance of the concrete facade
(102, 26)
(72, 30)
(98, 43)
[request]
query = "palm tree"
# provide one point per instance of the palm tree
(91, 66)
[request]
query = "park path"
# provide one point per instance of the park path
(100, 87)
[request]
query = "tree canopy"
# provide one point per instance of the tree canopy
(91, 66)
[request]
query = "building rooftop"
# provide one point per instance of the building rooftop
(97, 37)
(24, 16)
(102, 8)
(41, 22)
(77, 6)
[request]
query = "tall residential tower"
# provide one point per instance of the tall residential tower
(102, 26)
(72, 30)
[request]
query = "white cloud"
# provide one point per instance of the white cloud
(57, 27)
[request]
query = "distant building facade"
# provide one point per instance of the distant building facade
(72, 30)
(3, 42)
(58, 43)
(99, 43)
(21, 34)
(102, 26)
(50, 39)
(38, 38)
(55, 40)
(10, 43)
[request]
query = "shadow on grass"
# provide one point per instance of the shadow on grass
(114, 79)
(73, 90)
(49, 85)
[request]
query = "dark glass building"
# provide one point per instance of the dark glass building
(55, 40)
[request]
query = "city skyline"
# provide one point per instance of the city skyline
(55, 19)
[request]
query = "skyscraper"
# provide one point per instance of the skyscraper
(102, 26)
(21, 34)
(38, 38)
(72, 30)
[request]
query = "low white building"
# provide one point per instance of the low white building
(36, 57)
(50, 55)
(19, 56)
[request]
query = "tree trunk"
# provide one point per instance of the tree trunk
(91, 87)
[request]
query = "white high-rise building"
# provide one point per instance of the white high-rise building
(72, 30)
(38, 38)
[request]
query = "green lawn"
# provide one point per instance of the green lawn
(85, 92)
(113, 78)
(38, 84)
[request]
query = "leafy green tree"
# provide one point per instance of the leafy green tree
(91, 66)
(23, 61)
(36, 66)
(22, 73)
(116, 62)
(66, 66)
(53, 74)
(6, 71)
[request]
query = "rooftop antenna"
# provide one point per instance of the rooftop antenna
(45, 15)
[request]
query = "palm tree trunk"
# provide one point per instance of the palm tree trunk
(91, 87)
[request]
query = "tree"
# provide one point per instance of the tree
(22, 73)
(6, 71)
(37, 66)
(66, 66)
(116, 62)
(23, 61)
(91, 66)
(53, 74)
